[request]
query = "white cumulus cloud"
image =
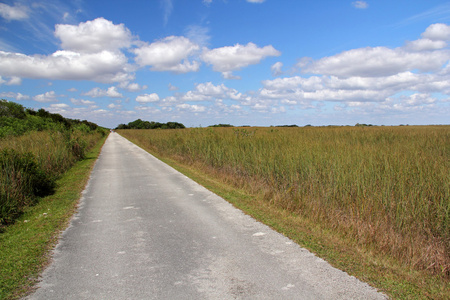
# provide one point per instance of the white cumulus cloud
(437, 32)
(46, 97)
(17, 96)
(93, 36)
(60, 106)
(132, 87)
(368, 79)
(169, 54)
(377, 61)
(425, 45)
(66, 65)
(91, 51)
(81, 102)
(362, 89)
(209, 91)
(191, 107)
(147, 98)
(427, 54)
(111, 92)
(232, 58)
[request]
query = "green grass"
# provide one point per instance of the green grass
(25, 246)
(372, 201)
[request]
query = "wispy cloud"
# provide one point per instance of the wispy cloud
(439, 13)
(5, 46)
(167, 6)
(198, 34)
(276, 69)
(207, 2)
(16, 12)
(39, 19)
(360, 4)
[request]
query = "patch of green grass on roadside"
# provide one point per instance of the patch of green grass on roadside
(26, 245)
(380, 271)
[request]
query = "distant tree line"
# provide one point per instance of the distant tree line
(139, 124)
(294, 125)
(221, 125)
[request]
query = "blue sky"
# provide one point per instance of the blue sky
(242, 62)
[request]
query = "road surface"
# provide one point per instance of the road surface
(145, 231)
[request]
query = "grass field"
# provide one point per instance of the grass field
(382, 193)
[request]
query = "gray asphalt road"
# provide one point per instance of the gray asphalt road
(145, 231)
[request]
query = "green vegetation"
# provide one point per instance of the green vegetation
(139, 124)
(221, 125)
(35, 149)
(22, 181)
(374, 201)
(24, 245)
(287, 125)
(39, 187)
(16, 120)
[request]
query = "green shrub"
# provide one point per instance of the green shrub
(11, 109)
(78, 147)
(21, 181)
(16, 120)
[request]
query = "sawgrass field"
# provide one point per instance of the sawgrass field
(385, 190)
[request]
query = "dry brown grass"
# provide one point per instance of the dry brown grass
(388, 188)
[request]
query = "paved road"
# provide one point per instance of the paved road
(145, 231)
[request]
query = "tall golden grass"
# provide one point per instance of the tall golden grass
(386, 187)
(30, 164)
(55, 151)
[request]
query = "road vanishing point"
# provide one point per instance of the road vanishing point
(145, 231)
